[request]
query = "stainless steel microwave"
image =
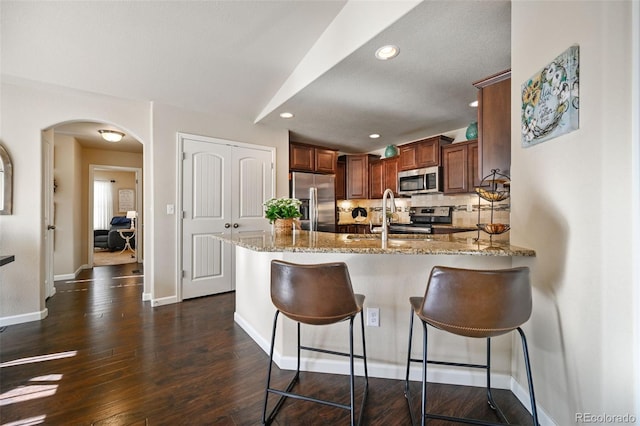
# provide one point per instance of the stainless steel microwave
(420, 181)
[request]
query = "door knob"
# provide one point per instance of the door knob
(227, 225)
(235, 225)
(50, 227)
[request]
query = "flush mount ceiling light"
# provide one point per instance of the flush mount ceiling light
(374, 136)
(387, 52)
(474, 104)
(286, 115)
(111, 135)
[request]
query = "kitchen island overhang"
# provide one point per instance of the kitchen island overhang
(387, 274)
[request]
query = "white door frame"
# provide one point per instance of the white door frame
(48, 213)
(180, 136)
(138, 207)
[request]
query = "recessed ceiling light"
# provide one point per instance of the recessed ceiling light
(111, 135)
(387, 52)
(374, 136)
(286, 115)
(474, 104)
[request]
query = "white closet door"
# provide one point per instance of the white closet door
(206, 202)
(224, 187)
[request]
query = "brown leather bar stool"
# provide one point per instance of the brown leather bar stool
(319, 294)
(472, 303)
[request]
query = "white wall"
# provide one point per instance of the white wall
(572, 202)
(25, 110)
(29, 108)
(167, 121)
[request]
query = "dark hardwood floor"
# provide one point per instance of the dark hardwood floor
(104, 357)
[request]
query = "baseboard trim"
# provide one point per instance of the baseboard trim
(146, 297)
(264, 344)
(19, 319)
(64, 277)
(72, 276)
(523, 396)
(163, 301)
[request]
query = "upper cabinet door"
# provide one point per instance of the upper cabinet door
(301, 158)
(326, 160)
(358, 175)
(455, 159)
(408, 157)
(376, 179)
(428, 153)
(494, 123)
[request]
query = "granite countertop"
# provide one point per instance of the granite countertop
(327, 242)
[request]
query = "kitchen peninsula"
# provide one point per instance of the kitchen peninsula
(387, 274)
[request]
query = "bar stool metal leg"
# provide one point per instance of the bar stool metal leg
(268, 419)
(525, 350)
(424, 374)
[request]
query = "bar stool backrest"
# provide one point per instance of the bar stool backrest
(477, 303)
(313, 294)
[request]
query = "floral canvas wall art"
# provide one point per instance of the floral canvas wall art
(550, 99)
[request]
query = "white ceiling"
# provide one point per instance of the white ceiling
(236, 56)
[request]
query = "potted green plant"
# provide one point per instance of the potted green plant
(282, 212)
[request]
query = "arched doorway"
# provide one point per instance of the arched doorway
(77, 148)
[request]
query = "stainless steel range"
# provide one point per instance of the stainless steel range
(422, 220)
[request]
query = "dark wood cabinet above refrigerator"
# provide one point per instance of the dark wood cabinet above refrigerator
(310, 158)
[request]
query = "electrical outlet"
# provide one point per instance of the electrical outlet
(373, 317)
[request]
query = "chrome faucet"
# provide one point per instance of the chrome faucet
(388, 193)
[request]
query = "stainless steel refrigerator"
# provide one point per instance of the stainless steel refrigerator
(318, 195)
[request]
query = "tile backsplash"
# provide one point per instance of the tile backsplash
(374, 210)
(464, 213)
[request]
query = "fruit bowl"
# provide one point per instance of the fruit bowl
(489, 195)
(493, 228)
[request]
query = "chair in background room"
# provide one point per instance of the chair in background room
(315, 295)
(111, 239)
(472, 303)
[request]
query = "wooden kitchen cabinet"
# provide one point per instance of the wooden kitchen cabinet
(326, 160)
(494, 123)
(310, 158)
(376, 179)
(341, 187)
(460, 167)
(383, 174)
(301, 157)
(391, 174)
(357, 175)
(422, 153)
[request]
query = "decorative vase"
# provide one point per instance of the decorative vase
(390, 151)
(283, 226)
(472, 131)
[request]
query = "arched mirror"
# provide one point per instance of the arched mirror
(6, 178)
